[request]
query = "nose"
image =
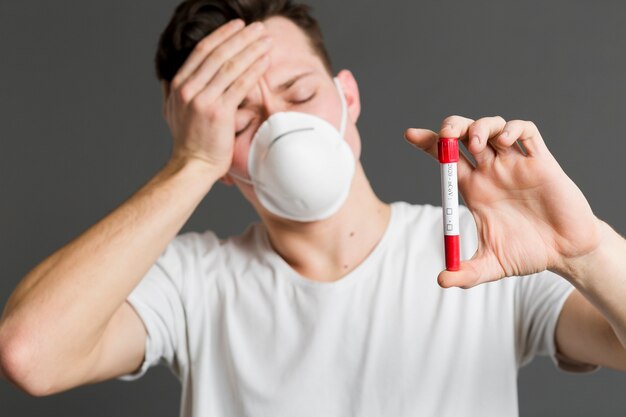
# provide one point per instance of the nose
(270, 103)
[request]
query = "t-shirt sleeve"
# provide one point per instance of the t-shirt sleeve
(160, 297)
(538, 301)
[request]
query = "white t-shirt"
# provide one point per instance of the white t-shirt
(248, 336)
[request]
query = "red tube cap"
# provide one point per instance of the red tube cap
(448, 150)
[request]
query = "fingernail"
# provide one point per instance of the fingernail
(258, 26)
(504, 134)
(237, 22)
(476, 139)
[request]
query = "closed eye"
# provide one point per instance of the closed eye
(309, 98)
(239, 132)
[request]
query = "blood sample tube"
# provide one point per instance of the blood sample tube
(448, 151)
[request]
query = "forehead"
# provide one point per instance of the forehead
(291, 52)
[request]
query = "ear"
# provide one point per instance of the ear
(351, 92)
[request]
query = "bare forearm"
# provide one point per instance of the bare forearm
(601, 277)
(61, 307)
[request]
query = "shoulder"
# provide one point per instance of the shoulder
(207, 243)
(189, 247)
(197, 258)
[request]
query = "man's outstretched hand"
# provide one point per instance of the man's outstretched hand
(529, 214)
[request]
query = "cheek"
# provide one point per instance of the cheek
(240, 157)
(333, 115)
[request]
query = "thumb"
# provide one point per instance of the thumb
(472, 272)
(424, 139)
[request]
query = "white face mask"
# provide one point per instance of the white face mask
(300, 166)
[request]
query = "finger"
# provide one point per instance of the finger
(238, 90)
(525, 132)
(236, 66)
(478, 270)
(482, 135)
(455, 127)
(506, 141)
(204, 48)
(478, 140)
(424, 139)
(222, 56)
(427, 140)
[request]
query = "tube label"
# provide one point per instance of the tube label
(450, 199)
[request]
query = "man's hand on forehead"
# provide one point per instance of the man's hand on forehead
(207, 89)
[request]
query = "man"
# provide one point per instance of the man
(330, 306)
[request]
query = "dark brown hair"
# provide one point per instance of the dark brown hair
(195, 19)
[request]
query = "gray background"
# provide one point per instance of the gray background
(81, 131)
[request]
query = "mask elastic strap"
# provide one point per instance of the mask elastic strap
(344, 107)
(242, 179)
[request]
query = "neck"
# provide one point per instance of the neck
(327, 250)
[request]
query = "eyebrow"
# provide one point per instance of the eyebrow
(284, 86)
(292, 80)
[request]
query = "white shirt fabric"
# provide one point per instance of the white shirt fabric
(248, 336)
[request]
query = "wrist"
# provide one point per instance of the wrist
(581, 268)
(194, 176)
(192, 166)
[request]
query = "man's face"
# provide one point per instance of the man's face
(296, 80)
